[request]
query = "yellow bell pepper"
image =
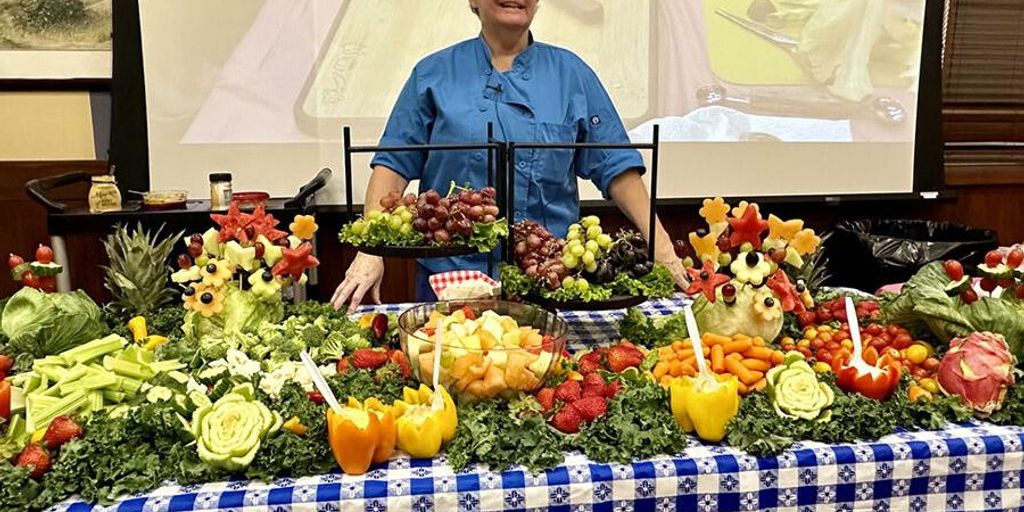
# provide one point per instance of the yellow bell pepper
(295, 426)
(137, 326)
(366, 321)
(705, 404)
(153, 341)
(421, 430)
(361, 434)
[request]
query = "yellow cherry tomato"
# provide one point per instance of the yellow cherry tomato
(929, 385)
(810, 333)
(803, 343)
(916, 353)
(822, 367)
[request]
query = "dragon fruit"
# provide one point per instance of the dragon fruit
(978, 369)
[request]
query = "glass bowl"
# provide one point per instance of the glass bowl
(508, 348)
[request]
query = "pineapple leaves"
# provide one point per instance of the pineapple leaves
(138, 272)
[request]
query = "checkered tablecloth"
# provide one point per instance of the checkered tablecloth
(970, 467)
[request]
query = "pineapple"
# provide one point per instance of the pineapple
(137, 276)
(815, 269)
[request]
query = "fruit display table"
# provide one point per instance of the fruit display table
(972, 466)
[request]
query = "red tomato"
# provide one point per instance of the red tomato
(832, 346)
(873, 329)
(30, 280)
(13, 260)
(931, 364)
(893, 330)
(824, 356)
(953, 269)
(5, 400)
(878, 343)
(902, 341)
(920, 373)
(44, 254)
(1015, 258)
(993, 258)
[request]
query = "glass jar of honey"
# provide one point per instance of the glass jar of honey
(104, 195)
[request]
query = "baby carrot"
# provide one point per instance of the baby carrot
(684, 353)
(735, 355)
(668, 358)
(778, 357)
(741, 372)
(759, 385)
(715, 339)
(757, 364)
(689, 369)
(737, 346)
(717, 358)
(692, 360)
(758, 341)
(677, 345)
(660, 370)
(665, 381)
(742, 388)
(764, 353)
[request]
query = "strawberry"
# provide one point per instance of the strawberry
(624, 356)
(593, 385)
(591, 407)
(612, 388)
(316, 397)
(567, 420)
(369, 358)
(343, 365)
(5, 365)
(568, 391)
(591, 362)
(5, 400)
(547, 344)
(398, 357)
(61, 430)
(546, 398)
(35, 457)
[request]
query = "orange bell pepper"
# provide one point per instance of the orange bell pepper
(361, 434)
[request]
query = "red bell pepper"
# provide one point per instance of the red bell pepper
(877, 382)
(854, 375)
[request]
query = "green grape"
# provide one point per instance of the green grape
(406, 229)
(590, 221)
(604, 241)
(582, 285)
(406, 216)
(575, 227)
(724, 259)
(574, 243)
(573, 236)
(577, 250)
(773, 267)
(593, 247)
(569, 260)
(374, 215)
(593, 232)
(588, 258)
(568, 282)
(359, 227)
(591, 267)
(746, 247)
(687, 262)
(395, 222)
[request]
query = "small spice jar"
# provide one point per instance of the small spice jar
(104, 195)
(220, 190)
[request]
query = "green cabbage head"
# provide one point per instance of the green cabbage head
(44, 324)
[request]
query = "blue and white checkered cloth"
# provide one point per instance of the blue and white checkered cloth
(970, 467)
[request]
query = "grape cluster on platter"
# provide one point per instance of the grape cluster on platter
(465, 217)
(589, 265)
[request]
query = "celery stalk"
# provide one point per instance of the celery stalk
(90, 383)
(127, 368)
(129, 385)
(115, 397)
(76, 372)
(65, 406)
(52, 373)
(93, 349)
(166, 366)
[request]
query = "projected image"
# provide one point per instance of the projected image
(790, 70)
(255, 86)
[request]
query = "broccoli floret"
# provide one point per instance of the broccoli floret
(212, 348)
(355, 342)
(333, 348)
(285, 348)
(312, 336)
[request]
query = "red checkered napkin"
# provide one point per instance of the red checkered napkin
(439, 282)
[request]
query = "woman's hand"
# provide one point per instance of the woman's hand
(675, 266)
(364, 274)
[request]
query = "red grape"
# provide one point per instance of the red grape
(260, 250)
(432, 197)
(476, 212)
(434, 224)
(409, 199)
(488, 219)
(491, 210)
(953, 269)
(420, 224)
(441, 236)
(195, 250)
(441, 212)
(474, 199)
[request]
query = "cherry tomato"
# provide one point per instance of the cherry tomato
(931, 364)
(893, 330)
(953, 269)
(920, 373)
(817, 343)
(873, 329)
(1015, 258)
(902, 341)
(969, 296)
(878, 343)
(44, 254)
(30, 280)
(988, 284)
(886, 336)
(13, 260)
(916, 353)
(993, 258)
(48, 284)
(824, 356)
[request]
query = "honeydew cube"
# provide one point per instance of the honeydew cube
(472, 343)
(510, 339)
(211, 242)
(508, 324)
(471, 326)
(458, 330)
(493, 327)
(499, 358)
(540, 366)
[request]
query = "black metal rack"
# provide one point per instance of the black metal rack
(501, 163)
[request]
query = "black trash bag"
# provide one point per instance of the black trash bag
(867, 254)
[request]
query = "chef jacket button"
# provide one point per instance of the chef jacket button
(522, 165)
(526, 76)
(528, 114)
(487, 71)
(483, 108)
(478, 157)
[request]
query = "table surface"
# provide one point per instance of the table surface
(968, 467)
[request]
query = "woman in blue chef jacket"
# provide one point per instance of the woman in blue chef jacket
(530, 91)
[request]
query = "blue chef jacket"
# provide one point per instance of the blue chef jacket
(549, 95)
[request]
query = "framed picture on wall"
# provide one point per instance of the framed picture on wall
(55, 40)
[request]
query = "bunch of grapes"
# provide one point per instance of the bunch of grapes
(539, 254)
(629, 255)
(441, 218)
